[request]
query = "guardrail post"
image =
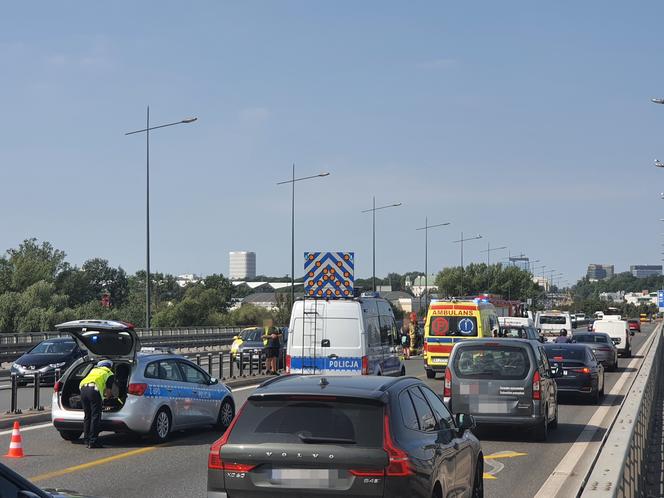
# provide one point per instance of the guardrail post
(241, 366)
(35, 398)
(231, 366)
(251, 363)
(210, 363)
(221, 365)
(198, 360)
(14, 400)
(282, 359)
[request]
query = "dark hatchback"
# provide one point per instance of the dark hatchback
(45, 358)
(312, 436)
(581, 373)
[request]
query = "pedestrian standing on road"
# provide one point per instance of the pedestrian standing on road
(412, 332)
(562, 338)
(93, 387)
(405, 338)
(272, 350)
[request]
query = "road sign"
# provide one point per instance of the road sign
(466, 326)
(329, 275)
(660, 299)
(440, 326)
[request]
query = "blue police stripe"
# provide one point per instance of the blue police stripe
(342, 364)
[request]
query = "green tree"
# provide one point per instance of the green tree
(32, 262)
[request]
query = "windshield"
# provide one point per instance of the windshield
(54, 348)
(516, 332)
(559, 354)
(252, 335)
(590, 338)
(315, 422)
(552, 320)
(465, 326)
(492, 362)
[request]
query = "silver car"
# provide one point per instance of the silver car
(153, 393)
(503, 382)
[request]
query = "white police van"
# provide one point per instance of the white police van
(344, 337)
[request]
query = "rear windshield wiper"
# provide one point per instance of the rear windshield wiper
(325, 440)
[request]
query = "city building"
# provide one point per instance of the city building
(643, 297)
(186, 279)
(612, 297)
(543, 282)
(242, 265)
(643, 271)
(417, 285)
(599, 272)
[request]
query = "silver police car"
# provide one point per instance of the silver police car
(152, 394)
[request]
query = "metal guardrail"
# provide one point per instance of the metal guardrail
(620, 469)
(14, 345)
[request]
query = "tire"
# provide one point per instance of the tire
(430, 374)
(70, 435)
(553, 425)
(595, 397)
(478, 480)
(226, 414)
(161, 426)
(541, 432)
(601, 393)
(628, 353)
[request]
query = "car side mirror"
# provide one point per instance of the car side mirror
(465, 421)
(213, 381)
(325, 343)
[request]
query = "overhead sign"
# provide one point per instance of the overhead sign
(660, 299)
(329, 275)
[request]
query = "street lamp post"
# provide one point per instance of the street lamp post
(147, 130)
(292, 182)
(461, 241)
(488, 252)
(373, 215)
(426, 257)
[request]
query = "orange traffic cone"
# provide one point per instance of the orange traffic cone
(16, 446)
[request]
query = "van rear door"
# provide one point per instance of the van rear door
(492, 380)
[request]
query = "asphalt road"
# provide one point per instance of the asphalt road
(126, 467)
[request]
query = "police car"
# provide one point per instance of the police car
(153, 393)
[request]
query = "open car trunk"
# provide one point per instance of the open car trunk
(71, 394)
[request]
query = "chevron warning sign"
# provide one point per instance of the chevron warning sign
(329, 275)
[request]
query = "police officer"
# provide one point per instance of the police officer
(94, 386)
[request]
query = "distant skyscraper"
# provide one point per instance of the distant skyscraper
(599, 272)
(643, 271)
(242, 265)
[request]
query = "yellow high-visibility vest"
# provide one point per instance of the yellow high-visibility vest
(98, 376)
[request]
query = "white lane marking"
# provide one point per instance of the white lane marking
(565, 469)
(28, 428)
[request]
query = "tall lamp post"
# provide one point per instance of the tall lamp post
(488, 252)
(147, 131)
(292, 181)
(426, 228)
(373, 214)
(461, 241)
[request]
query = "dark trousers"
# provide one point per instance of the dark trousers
(91, 400)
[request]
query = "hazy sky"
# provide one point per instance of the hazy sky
(527, 122)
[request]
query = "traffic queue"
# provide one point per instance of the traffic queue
(343, 418)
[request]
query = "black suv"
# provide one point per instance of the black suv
(315, 436)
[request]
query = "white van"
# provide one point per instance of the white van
(551, 323)
(344, 337)
(618, 331)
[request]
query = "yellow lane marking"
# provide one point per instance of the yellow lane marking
(93, 463)
(505, 454)
(488, 476)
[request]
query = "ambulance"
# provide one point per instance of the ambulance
(451, 321)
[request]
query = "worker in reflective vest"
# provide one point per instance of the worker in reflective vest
(93, 387)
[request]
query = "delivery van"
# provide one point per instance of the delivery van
(550, 323)
(344, 337)
(618, 331)
(451, 321)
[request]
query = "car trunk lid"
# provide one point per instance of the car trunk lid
(114, 340)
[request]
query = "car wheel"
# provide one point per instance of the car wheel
(628, 354)
(595, 397)
(431, 374)
(226, 414)
(601, 392)
(70, 435)
(478, 481)
(554, 423)
(161, 427)
(541, 432)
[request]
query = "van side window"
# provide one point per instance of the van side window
(425, 416)
(373, 330)
(387, 336)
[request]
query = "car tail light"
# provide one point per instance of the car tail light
(137, 389)
(288, 363)
(537, 393)
(214, 457)
(426, 347)
(447, 386)
(399, 465)
(57, 387)
(584, 370)
(365, 365)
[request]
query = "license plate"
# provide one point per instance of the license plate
(320, 475)
(442, 361)
(564, 372)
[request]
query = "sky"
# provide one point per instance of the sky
(529, 123)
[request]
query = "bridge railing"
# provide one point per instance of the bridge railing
(620, 469)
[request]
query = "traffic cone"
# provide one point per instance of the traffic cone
(16, 446)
